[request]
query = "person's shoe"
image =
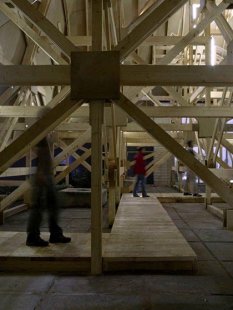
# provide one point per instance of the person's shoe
(197, 195)
(136, 195)
(145, 196)
(36, 241)
(60, 238)
(187, 194)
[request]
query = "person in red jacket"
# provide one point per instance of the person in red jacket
(140, 172)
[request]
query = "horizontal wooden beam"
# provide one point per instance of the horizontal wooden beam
(152, 40)
(35, 75)
(164, 75)
(134, 127)
(62, 127)
(173, 40)
(131, 75)
(191, 111)
(157, 112)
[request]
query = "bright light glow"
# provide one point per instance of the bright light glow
(231, 181)
(195, 7)
(213, 52)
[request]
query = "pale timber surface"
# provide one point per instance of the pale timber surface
(143, 232)
(143, 237)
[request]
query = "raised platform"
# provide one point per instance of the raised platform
(143, 237)
(78, 197)
(179, 197)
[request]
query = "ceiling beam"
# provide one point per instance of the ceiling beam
(143, 30)
(31, 33)
(131, 75)
(152, 40)
(155, 111)
(43, 24)
(179, 47)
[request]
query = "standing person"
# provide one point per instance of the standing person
(191, 187)
(44, 197)
(140, 171)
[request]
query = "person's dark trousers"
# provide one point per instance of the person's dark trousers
(44, 198)
(140, 180)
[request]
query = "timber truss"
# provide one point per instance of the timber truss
(186, 87)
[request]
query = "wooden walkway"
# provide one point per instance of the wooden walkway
(180, 198)
(143, 237)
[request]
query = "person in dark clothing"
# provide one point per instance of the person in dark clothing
(191, 187)
(140, 172)
(44, 197)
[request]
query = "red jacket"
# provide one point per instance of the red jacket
(139, 167)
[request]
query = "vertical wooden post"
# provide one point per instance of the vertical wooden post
(208, 103)
(96, 115)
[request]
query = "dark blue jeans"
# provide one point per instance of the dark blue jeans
(141, 180)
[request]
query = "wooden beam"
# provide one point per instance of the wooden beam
(210, 16)
(157, 112)
(158, 162)
(63, 145)
(132, 75)
(25, 186)
(190, 111)
(176, 149)
(45, 26)
(8, 94)
(176, 96)
(60, 128)
(36, 132)
(71, 148)
(81, 40)
(96, 119)
(142, 31)
(35, 75)
(32, 34)
(134, 127)
(136, 75)
(173, 40)
(73, 166)
(15, 210)
(222, 23)
(16, 194)
(152, 40)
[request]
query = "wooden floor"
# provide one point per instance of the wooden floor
(179, 197)
(143, 237)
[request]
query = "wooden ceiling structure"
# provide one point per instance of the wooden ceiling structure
(175, 62)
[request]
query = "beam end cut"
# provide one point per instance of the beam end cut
(95, 75)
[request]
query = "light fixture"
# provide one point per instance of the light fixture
(194, 10)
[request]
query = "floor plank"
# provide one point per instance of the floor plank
(143, 237)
